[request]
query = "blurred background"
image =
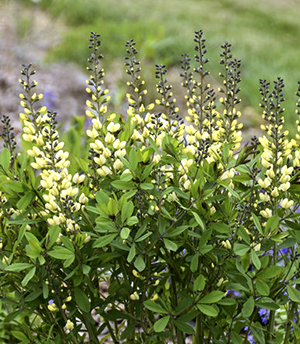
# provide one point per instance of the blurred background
(53, 35)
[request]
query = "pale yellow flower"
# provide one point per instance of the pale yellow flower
(267, 213)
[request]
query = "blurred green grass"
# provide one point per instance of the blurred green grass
(264, 35)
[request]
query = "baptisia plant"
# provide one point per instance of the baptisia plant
(154, 225)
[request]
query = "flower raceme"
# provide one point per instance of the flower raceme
(49, 157)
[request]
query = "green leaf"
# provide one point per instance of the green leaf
(25, 200)
(82, 300)
(125, 231)
(161, 324)
(170, 245)
(248, 307)
(208, 310)
(227, 302)
(122, 185)
(34, 295)
(104, 240)
(146, 186)
(132, 221)
(229, 189)
(31, 237)
(131, 253)
(235, 338)
(16, 186)
(127, 211)
(199, 283)
(153, 145)
(199, 220)
(184, 327)
(139, 263)
(20, 335)
(255, 259)
(258, 333)
(220, 228)
(34, 249)
(17, 267)
(28, 277)
(257, 223)
(176, 231)
(93, 210)
(243, 234)
(155, 307)
(272, 224)
(126, 177)
(289, 242)
(268, 303)
(60, 252)
(133, 159)
(23, 222)
(102, 197)
(141, 231)
(67, 243)
(205, 237)
(294, 294)
(52, 236)
(147, 170)
(69, 261)
(270, 272)
(5, 159)
(128, 331)
(194, 262)
(143, 237)
(212, 297)
(240, 249)
(262, 287)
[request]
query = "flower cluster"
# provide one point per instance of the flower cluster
(49, 157)
(277, 158)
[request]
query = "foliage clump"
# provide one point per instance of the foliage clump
(151, 228)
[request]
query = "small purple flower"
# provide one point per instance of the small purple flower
(235, 293)
(264, 314)
(250, 336)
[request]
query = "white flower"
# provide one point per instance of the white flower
(284, 186)
(69, 325)
(187, 185)
(113, 127)
(275, 192)
(264, 183)
(118, 144)
(92, 133)
(78, 179)
(264, 197)
(267, 213)
(101, 160)
(104, 171)
(286, 204)
(118, 164)
(120, 152)
(96, 123)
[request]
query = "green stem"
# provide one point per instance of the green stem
(287, 333)
(199, 335)
(91, 330)
(271, 324)
(111, 332)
